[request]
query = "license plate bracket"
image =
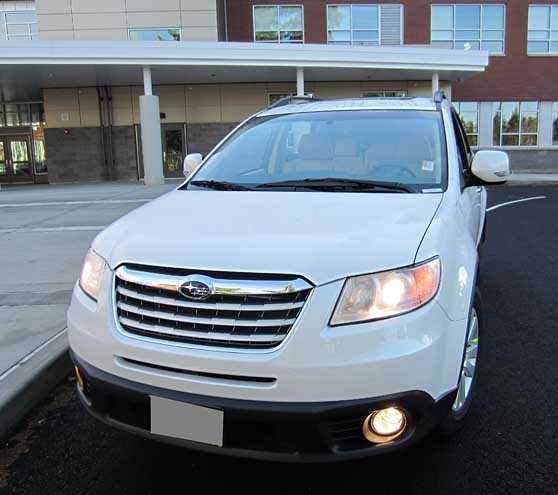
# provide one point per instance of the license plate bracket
(186, 421)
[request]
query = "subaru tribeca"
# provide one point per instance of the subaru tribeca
(308, 293)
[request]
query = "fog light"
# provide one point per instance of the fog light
(384, 425)
(388, 421)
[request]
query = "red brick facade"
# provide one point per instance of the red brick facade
(513, 76)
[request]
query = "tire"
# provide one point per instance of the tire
(457, 413)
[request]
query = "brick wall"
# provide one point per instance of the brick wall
(539, 161)
(202, 138)
(514, 76)
(78, 156)
(125, 156)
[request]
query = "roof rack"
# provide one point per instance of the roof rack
(439, 96)
(292, 100)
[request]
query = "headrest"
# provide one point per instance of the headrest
(382, 151)
(314, 147)
(417, 147)
(346, 147)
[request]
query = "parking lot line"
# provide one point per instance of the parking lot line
(75, 203)
(513, 202)
(54, 229)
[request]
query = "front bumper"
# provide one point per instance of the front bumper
(280, 431)
(421, 350)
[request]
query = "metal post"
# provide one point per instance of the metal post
(300, 81)
(435, 82)
(151, 146)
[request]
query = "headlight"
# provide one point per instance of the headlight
(385, 294)
(91, 273)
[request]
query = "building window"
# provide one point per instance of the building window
(353, 24)
(364, 24)
(278, 23)
(555, 123)
(542, 36)
(516, 123)
(158, 34)
(16, 114)
(18, 25)
(469, 114)
(469, 27)
(384, 94)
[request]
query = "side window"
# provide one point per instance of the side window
(464, 136)
(463, 150)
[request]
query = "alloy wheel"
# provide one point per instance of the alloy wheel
(469, 366)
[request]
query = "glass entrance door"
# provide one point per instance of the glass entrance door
(20, 158)
(3, 161)
(173, 150)
(173, 141)
(15, 159)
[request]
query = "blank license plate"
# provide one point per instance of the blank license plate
(186, 421)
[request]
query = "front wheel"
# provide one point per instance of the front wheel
(469, 372)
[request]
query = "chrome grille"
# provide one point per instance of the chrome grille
(242, 311)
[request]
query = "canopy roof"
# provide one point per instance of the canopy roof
(28, 66)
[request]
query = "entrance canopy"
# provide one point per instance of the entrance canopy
(27, 67)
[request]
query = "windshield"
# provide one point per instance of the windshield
(405, 148)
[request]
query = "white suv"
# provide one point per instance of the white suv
(309, 293)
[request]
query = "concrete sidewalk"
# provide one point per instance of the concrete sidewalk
(44, 234)
(520, 178)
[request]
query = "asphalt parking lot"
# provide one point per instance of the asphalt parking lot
(510, 444)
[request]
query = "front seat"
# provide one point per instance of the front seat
(347, 158)
(381, 152)
(314, 155)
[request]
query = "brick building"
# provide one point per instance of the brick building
(69, 98)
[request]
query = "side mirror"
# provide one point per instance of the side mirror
(191, 163)
(491, 167)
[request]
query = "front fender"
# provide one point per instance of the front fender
(448, 237)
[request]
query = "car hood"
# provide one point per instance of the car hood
(322, 236)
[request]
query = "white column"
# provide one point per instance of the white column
(151, 147)
(147, 85)
(435, 82)
(545, 124)
(485, 124)
(300, 81)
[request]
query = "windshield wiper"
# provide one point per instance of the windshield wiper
(220, 185)
(333, 183)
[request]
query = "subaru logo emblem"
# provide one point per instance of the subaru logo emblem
(194, 288)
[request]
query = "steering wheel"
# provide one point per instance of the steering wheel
(390, 169)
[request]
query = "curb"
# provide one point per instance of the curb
(531, 179)
(31, 379)
(522, 182)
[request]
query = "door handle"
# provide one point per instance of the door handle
(479, 189)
